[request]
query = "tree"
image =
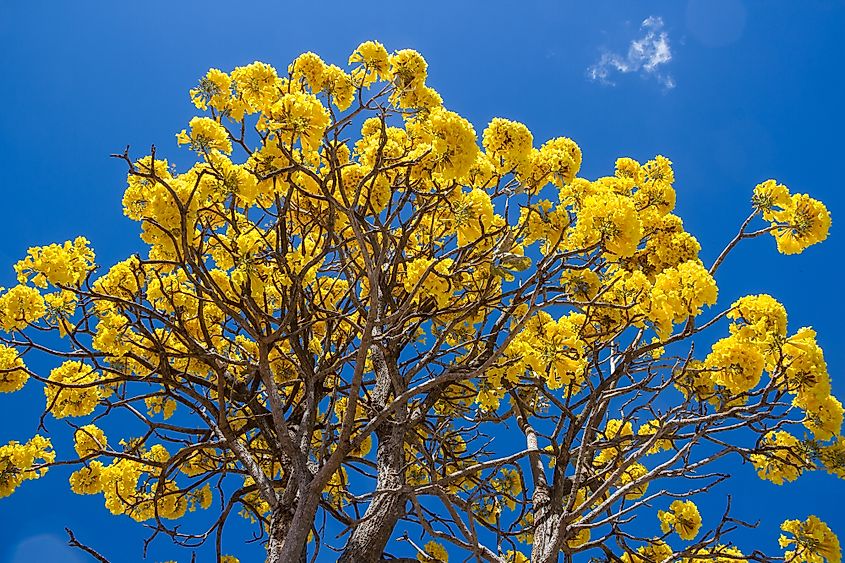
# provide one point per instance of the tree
(345, 302)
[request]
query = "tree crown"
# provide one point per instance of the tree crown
(346, 299)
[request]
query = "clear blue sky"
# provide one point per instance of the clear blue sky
(747, 91)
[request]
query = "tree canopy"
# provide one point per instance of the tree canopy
(355, 327)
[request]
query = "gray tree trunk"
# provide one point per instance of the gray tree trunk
(367, 541)
(546, 546)
(289, 531)
(369, 538)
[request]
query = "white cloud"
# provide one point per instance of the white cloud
(646, 55)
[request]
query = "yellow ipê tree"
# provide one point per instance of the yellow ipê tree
(346, 299)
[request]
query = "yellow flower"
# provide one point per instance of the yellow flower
(655, 191)
(513, 556)
(682, 517)
(767, 196)
(507, 143)
(408, 70)
(812, 541)
(651, 428)
(299, 116)
(373, 61)
(736, 365)
(86, 480)
(89, 440)
(339, 86)
(18, 462)
(206, 136)
(582, 284)
(804, 222)
(434, 553)
(582, 536)
(255, 87)
(832, 457)
(310, 68)
(628, 168)
(824, 418)
(61, 306)
(114, 335)
(763, 318)
(610, 219)
(559, 160)
(160, 405)
(780, 458)
(553, 349)
(453, 145)
(72, 390)
(20, 307)
(13, 373)
(471, 215)
(805, 372)
(655, 552)
(213, 90)
(632, 474)
(66, 265)
(658, 170)
(619, 433)
(679, 293)
(426, 278)
(717, 554)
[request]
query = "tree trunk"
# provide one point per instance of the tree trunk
(368, 539)
(279, 524)
(545, 548)
(289, 533)
(370, 536)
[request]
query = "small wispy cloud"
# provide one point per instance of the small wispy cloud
(647, 55)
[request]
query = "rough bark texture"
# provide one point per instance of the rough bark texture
(279, 525)
(289, 534)
(369, 538)
(545, 548)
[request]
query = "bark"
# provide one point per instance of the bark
(289, 532)
(279, 524)
(545, 548)
(370, 536)
(368, 539)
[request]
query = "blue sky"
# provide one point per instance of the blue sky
(732, 92)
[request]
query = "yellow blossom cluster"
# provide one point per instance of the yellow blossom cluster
(811, 541)
(22, 462)
(433, 553)
(619, 433)
(131, 486)
(61, 265)
(682, 517)
(717, 554)
(553, 349)
(372, 63)
(780, 457)
(73, 389)
(797, 220)
(425, 277)
(737, 366)
(656, 551)
(13, 374)
(21, 306)
(680, 293)
(89, 440)
(206, 135)
(507, 143)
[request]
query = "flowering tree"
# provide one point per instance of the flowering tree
(353, 327)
